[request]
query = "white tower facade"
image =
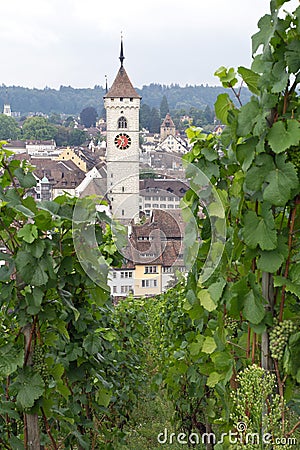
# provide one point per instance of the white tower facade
(7, 110)
(122, 104)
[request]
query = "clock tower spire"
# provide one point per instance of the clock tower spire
(122, 57)
(122, 104)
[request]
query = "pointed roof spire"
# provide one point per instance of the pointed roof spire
(122, 57)
(122, 86)
(106, 87)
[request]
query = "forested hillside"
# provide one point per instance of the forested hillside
(69, 100)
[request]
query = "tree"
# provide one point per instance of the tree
(164, 107)
(88, 117)
(77, 137)
(38, 128)
(55, 119)
(145, 116)
(8, 128)
(154, 125)
(69, 122)
(62, 136)
(209, 114)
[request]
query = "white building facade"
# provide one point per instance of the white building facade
(122, 104)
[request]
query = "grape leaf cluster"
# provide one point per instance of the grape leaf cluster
(279, 337)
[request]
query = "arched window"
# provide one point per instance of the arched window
(122, 122)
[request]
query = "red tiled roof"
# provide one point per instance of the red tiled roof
(122, 86)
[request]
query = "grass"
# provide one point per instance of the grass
(150, 418)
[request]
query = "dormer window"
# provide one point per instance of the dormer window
(122, 122)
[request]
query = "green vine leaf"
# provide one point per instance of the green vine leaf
(213, 379)
(292, 56)
(226, 76)
(281, 181)
(254, 310)
(270, 261)
(30, 388)
(251, 78)
(247, 117)
(10, 359)
(27, 180)
(257, 174)
(283, 135)
(209, 345)
(206, 301)
(222, 106)
(29, 233)
(290, 286)
(267, 25)
(92, 344)
(260, 230)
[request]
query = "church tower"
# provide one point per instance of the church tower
(122, 104)
(167, 128)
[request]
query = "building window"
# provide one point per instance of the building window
(111, 175)
(125, 289)
(126, 274)
(114, 289)
(114, 274)
(149, 283)
(121, 99)
(122, 122)
(123, 212)
(151, 269)
(123, 189)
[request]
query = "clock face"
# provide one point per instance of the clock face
(122, 141)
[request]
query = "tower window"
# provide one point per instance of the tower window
(123, 212)
(123, 189)
(121, 99)
(122, 122)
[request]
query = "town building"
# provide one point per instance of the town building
(153, 257)
(122, 104)
(161, 194)
(7, 110)
(167, 128)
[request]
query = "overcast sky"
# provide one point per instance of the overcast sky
(76, 42)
